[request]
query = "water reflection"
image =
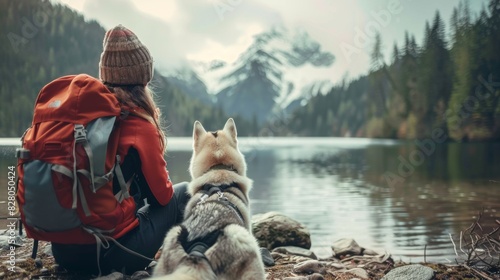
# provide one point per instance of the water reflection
(441, 195)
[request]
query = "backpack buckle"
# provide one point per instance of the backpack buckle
(22, 153)
(80, 133)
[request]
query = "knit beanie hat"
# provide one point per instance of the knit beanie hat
(124, 60)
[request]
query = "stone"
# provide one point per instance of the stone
(410, 272)
(310, 267)
(47, 250)
(4, 243)
(38, 263)
(358, 272)
(267, 258)
(18, 242)
(17, 262)
(277, 256)
(292, 250)
(112, 276)
(346, 246)
(141, 274)
(274, 229)
(315, 276)
(58, 269)
(370, 252)
(296, 278)
(337, 265)
(7, 241)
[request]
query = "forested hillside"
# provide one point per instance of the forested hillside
(448, 83)
(42, 41)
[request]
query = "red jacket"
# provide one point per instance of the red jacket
(142, 135)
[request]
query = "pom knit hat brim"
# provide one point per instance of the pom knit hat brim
(124, 60)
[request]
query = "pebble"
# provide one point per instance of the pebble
(48, 250)
(293, 250)
(57, 268)
(267, 258)
(17, 261)
(310, 267)
(141, 274)
(337, 265)
(370, 252)
(38, 263)
(296, 278)
(346, 246)
(315, 276)
(359, 272)
(112, 276)
(6, 241)
(410, 272)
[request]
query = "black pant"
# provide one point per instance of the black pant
(146, 239)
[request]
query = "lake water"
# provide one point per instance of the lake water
(393, 196)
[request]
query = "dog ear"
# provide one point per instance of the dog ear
(230, 127)
(198, 130)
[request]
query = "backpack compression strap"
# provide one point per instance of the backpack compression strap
(65, 171)
(124, 186)
(123, 194)
(94, 139)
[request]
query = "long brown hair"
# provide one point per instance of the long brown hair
(143, 97)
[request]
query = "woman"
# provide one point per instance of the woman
(126, 68)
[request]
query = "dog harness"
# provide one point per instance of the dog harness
(209, 190)
(199, 246)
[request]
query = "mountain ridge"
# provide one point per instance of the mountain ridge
(268, 76)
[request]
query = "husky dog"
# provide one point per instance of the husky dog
(214, 241)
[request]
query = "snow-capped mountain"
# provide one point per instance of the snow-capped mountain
(280, 71)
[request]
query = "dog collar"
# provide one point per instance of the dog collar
(221, 166)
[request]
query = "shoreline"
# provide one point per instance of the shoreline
(286, 266)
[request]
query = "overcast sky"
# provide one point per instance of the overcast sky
(205, 30)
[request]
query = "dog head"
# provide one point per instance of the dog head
(216, 149)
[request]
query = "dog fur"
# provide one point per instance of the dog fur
(235, 253)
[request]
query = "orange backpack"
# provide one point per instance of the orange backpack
(68, 161)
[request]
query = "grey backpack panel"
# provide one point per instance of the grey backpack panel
(45, 214)
(98, 132)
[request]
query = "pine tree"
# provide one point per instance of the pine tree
(377, 95)
(456, 116)
(395, 54)
(377, 58)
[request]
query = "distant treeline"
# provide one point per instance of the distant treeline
(449, 83)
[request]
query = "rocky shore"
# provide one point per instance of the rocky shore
(285, 247)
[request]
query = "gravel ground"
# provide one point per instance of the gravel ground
(285, 266)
